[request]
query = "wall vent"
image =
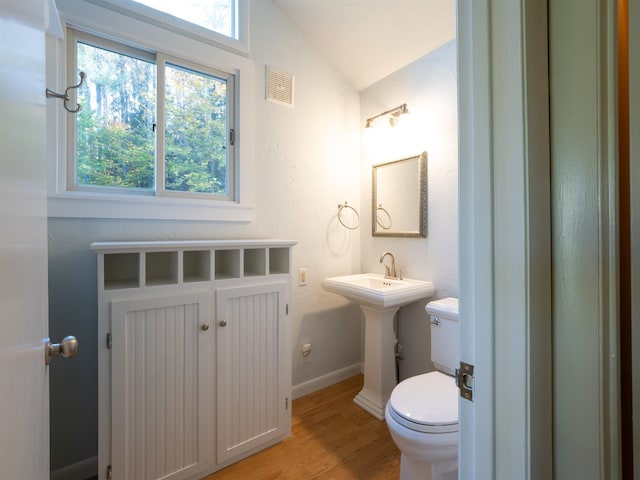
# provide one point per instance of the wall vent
(279, 87)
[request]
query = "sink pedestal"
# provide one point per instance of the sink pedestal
(379, 360)
(379, 298)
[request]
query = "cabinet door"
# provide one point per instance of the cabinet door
(252, 384)
(160, 377)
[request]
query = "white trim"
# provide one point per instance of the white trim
(81, 470)
(240, 44)
(62, 203)
(84, 205)
(504, 243)
(323, 381)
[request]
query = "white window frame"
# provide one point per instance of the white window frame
(65, 202)
(160, 60)
(239, 43)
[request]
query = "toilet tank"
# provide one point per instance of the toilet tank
(444, 334)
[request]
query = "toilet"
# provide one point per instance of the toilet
(422, 412)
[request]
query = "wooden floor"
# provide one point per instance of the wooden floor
(332, 439)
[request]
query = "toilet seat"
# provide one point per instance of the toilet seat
(426, 403)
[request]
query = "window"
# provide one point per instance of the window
(215, 15)
(222, 22)
(165, 130)
(149, 124)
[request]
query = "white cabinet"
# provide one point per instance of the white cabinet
(160, 369)
(253, 378)
(194, 355)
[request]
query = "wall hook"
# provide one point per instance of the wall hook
(65, 96)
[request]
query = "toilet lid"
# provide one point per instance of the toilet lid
(426, 403)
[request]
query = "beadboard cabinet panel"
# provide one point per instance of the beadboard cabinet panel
(160, 370)
(194, 363)
(252, 399)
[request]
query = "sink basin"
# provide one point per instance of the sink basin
(375, 291)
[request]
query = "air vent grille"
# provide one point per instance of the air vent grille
(279, 87)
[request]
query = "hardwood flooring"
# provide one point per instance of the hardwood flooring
(332, 439)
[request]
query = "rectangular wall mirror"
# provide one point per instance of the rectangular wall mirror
(399, 198)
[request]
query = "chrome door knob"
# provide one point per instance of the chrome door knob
(67, 348)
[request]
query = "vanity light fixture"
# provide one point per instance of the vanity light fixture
(393, 114)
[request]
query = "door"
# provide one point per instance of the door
(160, 379)
(252, 388)
(505, 432)
(24, 412)
(634, 183)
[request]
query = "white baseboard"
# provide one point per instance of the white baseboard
(87, 468)
(326, 380)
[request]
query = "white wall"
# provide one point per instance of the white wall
(306, 162)
(428, 86)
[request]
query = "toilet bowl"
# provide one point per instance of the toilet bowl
(422, 411)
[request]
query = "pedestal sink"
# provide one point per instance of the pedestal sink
(379, 299)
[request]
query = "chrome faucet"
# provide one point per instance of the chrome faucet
(389, 272)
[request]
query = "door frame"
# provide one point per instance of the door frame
(505, 256)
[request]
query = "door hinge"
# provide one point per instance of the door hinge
(108, 472)
(109, 341)
(286, 310)
(232, 136)
(464, 380)
(286, 403)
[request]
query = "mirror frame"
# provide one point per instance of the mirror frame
(421, 232)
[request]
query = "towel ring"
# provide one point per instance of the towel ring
(342, 206)
(379, 222)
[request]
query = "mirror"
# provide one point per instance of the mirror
(399, 198)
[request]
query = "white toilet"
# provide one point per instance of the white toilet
(422, 412)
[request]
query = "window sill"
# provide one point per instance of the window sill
(83, 205)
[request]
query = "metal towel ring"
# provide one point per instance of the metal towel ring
(385, 227)
(341, 206)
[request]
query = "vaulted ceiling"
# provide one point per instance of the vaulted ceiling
(369, 39)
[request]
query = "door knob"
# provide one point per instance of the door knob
(204, 327)
(68, 347)
(222, 323)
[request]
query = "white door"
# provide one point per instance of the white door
(160, 377)
(24, 408)
(253, 386)
(505, 432)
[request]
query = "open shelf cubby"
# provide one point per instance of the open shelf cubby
(121, 270)
(227, 264)
(278, 260)
(196, 265)
(255, 262)
(161, 268)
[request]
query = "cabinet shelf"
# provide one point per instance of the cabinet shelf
(196, 266)
(161, 268)
(127, 265)
(255, 261)
(121, 270)
(279, 261)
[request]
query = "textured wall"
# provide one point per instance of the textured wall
(306, 162)
(428, 86)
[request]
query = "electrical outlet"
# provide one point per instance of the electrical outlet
(305, 350)
(302, 277)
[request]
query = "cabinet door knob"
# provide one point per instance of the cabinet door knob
(204, 327)
(223, 323)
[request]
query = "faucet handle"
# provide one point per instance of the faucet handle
(387, 272)
(399, 273)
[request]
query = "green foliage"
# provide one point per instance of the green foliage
(116, 127)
